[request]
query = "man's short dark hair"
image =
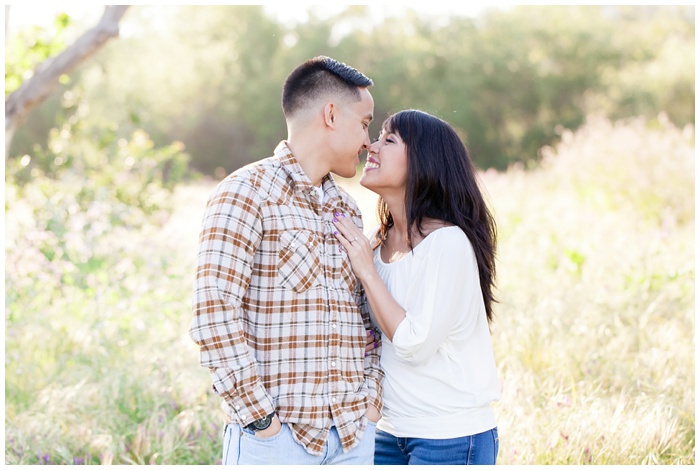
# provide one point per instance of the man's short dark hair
(317, 77)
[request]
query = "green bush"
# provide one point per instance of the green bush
(92, 282)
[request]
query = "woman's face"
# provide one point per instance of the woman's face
(386, 169)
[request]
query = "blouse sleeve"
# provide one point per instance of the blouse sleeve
(444, 294)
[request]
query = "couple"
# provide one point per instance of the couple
(289, 291)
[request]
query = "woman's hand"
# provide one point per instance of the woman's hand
(371, 343)
(357, 246)
(387, 312)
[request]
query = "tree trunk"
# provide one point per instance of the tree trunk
(45, 79)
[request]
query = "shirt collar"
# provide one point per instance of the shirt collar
(301, 181)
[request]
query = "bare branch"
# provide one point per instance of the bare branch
(47, 74)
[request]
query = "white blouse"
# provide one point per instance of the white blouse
(440, 371)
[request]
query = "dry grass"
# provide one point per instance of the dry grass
(594, 332)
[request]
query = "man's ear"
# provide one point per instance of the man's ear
(330, 113)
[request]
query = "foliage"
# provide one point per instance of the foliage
(31, 47)
(125, 175)
(83, 233)
(509, 80)
(659, 69)
(593, 332)
(207, 81)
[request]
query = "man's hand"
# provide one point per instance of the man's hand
(372, 414)
(275, 427)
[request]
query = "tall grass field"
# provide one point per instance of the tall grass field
(594, 331)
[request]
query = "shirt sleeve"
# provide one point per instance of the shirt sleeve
(444, 292)
(373, 372)
(231, 232)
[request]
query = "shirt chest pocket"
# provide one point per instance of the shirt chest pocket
(299, 265)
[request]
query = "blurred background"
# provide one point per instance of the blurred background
(581, 120)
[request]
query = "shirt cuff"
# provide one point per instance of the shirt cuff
(249, 406)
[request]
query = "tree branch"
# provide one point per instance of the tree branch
(46, 76)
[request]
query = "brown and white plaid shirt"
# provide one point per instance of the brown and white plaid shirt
(279, 315)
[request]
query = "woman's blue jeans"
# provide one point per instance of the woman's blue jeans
(479, 449)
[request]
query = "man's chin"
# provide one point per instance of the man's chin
(347, 173)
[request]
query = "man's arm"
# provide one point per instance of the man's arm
(231, 232)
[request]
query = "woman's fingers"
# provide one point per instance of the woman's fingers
(341, 237)
(347, 229)
(371, 342)
(356, 245)
(344, 230)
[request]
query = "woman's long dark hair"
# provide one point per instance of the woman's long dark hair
(442, 184)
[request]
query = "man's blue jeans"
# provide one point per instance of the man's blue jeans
(241, 447)
(479, 449)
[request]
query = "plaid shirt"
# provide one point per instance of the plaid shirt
(279, 315)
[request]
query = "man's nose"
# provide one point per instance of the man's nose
(367, 143)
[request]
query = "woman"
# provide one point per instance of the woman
(428, 273)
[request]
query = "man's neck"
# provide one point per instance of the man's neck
(309, 154)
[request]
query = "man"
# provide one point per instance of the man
(279, 315)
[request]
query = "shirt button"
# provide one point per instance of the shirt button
(333, 364)
(238, 407)
(333, 400)
(334, 326)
